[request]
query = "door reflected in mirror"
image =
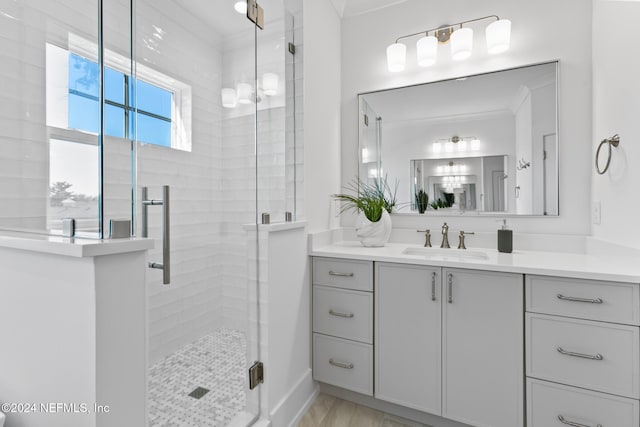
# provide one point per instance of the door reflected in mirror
(479, 144)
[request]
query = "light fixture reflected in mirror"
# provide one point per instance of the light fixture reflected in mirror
(244, 93)
(270, 84)
(228, 97)
(498, 36)
(456, 143)
(241, 7)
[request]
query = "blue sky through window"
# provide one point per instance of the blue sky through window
(152, 117)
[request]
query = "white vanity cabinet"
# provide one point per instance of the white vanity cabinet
(482, 351)
(408, 352)
(343, 323)
(449, 342)
(583, 352)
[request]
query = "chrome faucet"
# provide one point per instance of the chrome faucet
(445, 236)
(461, 243)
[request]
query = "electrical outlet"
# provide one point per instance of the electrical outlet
(596, 212)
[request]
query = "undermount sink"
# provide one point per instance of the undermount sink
(446, 254)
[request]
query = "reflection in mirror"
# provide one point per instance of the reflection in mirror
(462, 184)
(479, 144)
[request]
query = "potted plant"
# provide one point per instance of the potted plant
(373, 202)
(422, 201)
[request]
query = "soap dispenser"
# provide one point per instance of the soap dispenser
(505, 238)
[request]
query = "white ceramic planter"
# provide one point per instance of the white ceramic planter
(373, 234)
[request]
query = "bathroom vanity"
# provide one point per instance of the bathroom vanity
(478, 337)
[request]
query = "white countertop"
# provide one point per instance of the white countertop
(581, 266)
(73, 247)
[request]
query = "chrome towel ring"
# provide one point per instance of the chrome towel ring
(614, 140)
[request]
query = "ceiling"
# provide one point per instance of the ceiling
(348, 8)
(225, 20)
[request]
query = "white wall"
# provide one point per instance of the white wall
(534, 39)
(616, 108)
(322, 35)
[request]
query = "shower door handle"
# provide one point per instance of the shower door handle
(166, 230)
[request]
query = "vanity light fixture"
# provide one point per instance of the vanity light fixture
(498, 37)
(456, 143)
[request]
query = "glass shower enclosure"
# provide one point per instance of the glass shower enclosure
(179, 118)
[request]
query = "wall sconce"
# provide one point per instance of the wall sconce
(456, 143)
(498, 36)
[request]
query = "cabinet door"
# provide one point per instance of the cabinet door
(408, 336)
(483, 369)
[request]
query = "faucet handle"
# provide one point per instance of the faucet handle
(462, 234)
(427, 237)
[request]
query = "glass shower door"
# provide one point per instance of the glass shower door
(193, 122)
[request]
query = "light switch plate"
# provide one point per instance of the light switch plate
(596, 212)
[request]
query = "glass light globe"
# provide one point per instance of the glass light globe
(228, 97)
(396, 57)
(270, 84)
(427, 51)
(244, 93)
(498, 36)
(461, 44)
(241, 7)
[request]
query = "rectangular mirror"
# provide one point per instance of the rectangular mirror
(481, 144)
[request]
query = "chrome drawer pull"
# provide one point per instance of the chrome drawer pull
(591, 301)
(450, 283)
(433, 286)
(584, 356)
(341, 365)
(573, 423)
(335, 273)
(338, 314)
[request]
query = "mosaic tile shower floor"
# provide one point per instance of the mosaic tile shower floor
(216, 362)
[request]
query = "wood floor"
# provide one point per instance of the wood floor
(329, 411)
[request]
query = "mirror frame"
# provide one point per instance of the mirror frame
(487, 214)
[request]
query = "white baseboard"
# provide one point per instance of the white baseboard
(292, 407)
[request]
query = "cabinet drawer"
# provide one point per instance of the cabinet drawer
(594, 355)
(586, 299)
(343, 313)
(343, 273)
(546, 402)
(343, 363)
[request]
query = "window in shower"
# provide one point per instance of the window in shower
(152, 117)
